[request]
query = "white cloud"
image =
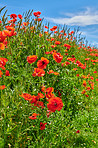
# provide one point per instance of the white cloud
(95, 44)
(90, 33)
(88, 17)
(82, 32)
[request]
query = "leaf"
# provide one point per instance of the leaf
(2, 9)
(4, 19)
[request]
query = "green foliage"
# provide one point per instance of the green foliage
(79, 110)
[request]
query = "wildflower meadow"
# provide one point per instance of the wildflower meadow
(48, 85)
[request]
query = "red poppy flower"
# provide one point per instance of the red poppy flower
(25, 23)
(10, 31)
(88, 88)
(77, 131)
(3, 62)
(38, 72)
(59, 93)
(83, 67)
(33, 117)
(53, 28)
(57, 57)
(92, 85)
(49, 95)
(20, 16)
(67, 45)
(48, 92)
(2, 36)
(2, 87)
(60, 35)
(55, 31)
(1, 73)
(39, 104)
(84, 83)
(46, 32)
(43, 88)
(86, 59)
(56, 73)
(40, 35)
(65, 34)
(95, 72)
(52, 39)
(34, 99)
(42, 126)
(50, 71)
(39, 19)
(47, 52)
(37, 14)
(49, 89)
(55, 103)
(72, 32)
(62, 64)
(72, 59)
(7, 73)
(31, 59)
(57, 42)
(53, 46)
(2, 46)
(62, 31)
(83, 92)
(46, 27)
(42, 63)
(91, 77)
(77, 75)
(26, 96)
(14, 16)
(40, 95)
(74, 68)
(67, 63)
(6, 33)
(9, 28)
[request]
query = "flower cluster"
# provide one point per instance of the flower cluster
(54, 103)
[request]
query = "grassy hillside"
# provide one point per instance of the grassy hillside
(48, 85)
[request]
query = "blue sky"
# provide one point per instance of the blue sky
(73, 13)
